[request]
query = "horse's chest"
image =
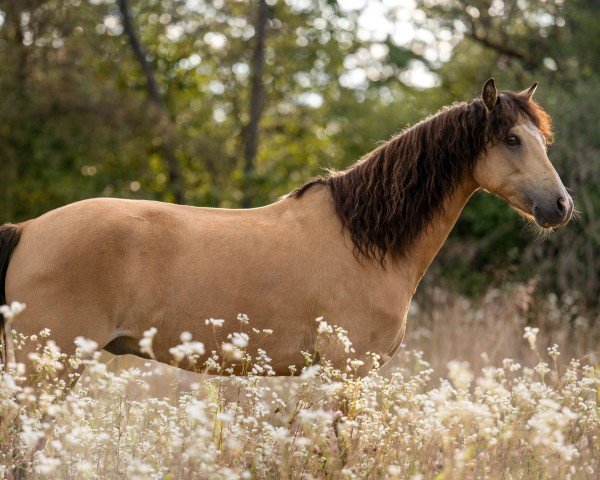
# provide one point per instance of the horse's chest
(373, 325)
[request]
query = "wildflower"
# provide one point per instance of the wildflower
(185, 337)
(240, 340)
(214, 322)
(542, 369)
(460, 374)
(85, 346)
(553, 352)
(355, 364)
(46, 465)
(146, 342)
(531, 336)
(30, 434)
(310, 372)
(196, 410)
(191, 350)
(225, 417)
(324, 327)
(11, 311)
(84, 466)
(395, 471)
(331, 389)
(231, 351)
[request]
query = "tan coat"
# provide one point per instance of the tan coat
(109, 268)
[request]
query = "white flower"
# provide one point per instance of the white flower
(231, 351)
(324, 327)
(278, 433)
(45, 465)
(331, 388)
(84, 466)
(215, 322)
(85, 346)
(553, 352)
(356, 364)
(240, 340)
(310, 372)
(11, 311)
(185, 337)
(394, 470)
(225, 417)
(146, 342)
(187, 349)
(196, 410)
(531, 335)
(460, 374)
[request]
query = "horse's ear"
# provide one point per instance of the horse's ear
(489, 95)
(528, 92)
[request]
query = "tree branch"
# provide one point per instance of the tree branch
(498, 47)
(175, 175)
(486, 41)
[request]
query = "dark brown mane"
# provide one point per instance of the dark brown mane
(388, 197)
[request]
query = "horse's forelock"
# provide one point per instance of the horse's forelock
(512, 107)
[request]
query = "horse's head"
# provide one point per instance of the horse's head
(514, 165)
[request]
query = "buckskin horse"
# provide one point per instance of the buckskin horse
(351, 246)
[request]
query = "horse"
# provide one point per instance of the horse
(350, 246)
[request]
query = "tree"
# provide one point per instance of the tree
(251, 130)
(168, 139)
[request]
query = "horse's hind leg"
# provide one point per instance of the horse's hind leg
(64, 326)
(41, 373)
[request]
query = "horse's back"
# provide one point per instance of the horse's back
(104, 265)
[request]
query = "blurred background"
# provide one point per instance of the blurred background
(234, 103)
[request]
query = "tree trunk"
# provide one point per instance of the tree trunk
(168, 132)
(251, 133)
(16, 100)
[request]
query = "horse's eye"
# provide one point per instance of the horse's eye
(513, 140)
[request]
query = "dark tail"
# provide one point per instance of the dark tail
(9, 238)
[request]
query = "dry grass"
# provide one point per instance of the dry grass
(472, 398)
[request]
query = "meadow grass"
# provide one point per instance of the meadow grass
(478, 391)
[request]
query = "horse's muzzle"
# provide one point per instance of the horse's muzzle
(554, 214)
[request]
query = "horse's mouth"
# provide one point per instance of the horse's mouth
(526, 215)
(539, 218)
(555, 223)
(532, 218)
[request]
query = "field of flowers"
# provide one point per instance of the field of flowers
(480, 391)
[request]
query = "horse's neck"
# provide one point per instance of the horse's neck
(433, 237)
(316, 208)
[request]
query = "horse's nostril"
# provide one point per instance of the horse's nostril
(561, 203)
